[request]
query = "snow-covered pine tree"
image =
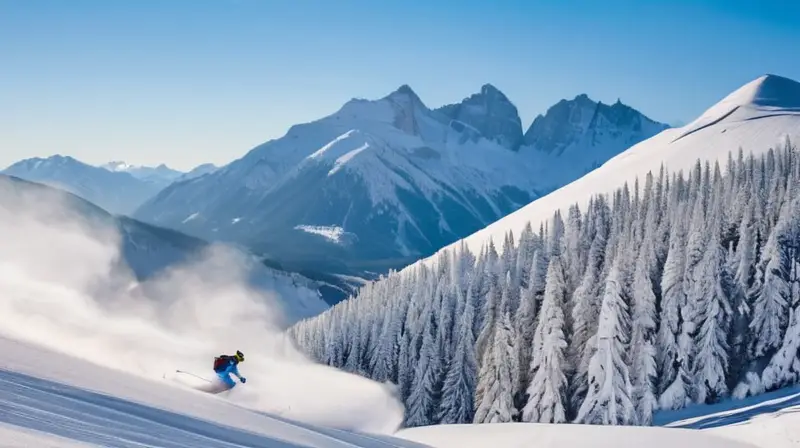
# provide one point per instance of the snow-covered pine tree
(714, 310)
(770, 308)
(528, 245)
(382, 364)
(780, 286)
(744, 261)
(643, 370)
(548, 388)
(490, 302)
(525, 325)
(608, 399)
(571, 249)
(458, 401)
(671, 356)
(484, 341)
(497, 374)
(585, 303)
(696, 241)
(423, 401)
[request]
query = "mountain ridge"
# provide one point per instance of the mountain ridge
(398, 178)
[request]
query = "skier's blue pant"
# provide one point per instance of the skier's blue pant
(225, 377)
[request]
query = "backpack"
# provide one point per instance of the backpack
(221, 362)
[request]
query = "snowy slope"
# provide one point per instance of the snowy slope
(399, 179)
(759, 115)
(42, 227)
(49, 399)
(117, 192)
(513, 435)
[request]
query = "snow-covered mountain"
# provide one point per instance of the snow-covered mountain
(380, 183)
(161, 174)
(491, 113)
(39, 211)
(756, 117)
(118, 192)
(586, 133)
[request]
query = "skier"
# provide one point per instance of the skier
(225, 365)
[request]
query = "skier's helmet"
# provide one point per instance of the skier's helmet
(239, 356)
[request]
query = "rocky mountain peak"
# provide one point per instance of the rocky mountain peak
(569, 121)
(491, 113)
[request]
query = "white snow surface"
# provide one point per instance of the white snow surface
(769, 420)
(331, 233)
(51, 399)
(759, 115)
(525, 435)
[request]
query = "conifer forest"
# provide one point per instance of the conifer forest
(681, 288)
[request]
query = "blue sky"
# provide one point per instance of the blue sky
(193, 81)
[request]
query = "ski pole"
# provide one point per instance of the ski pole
(192, 374)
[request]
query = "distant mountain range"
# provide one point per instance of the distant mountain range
(116, 186)
(381, 183)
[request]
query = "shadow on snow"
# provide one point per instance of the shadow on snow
(731, 412)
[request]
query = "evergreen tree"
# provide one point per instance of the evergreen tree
(524, 328)
(585, 302)
(770, 309)
(423, 400)
(547, 391)
(643, 363)
(459, 386)
(608, 400)
(713, 291)
(672, 358)
(497, 404)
